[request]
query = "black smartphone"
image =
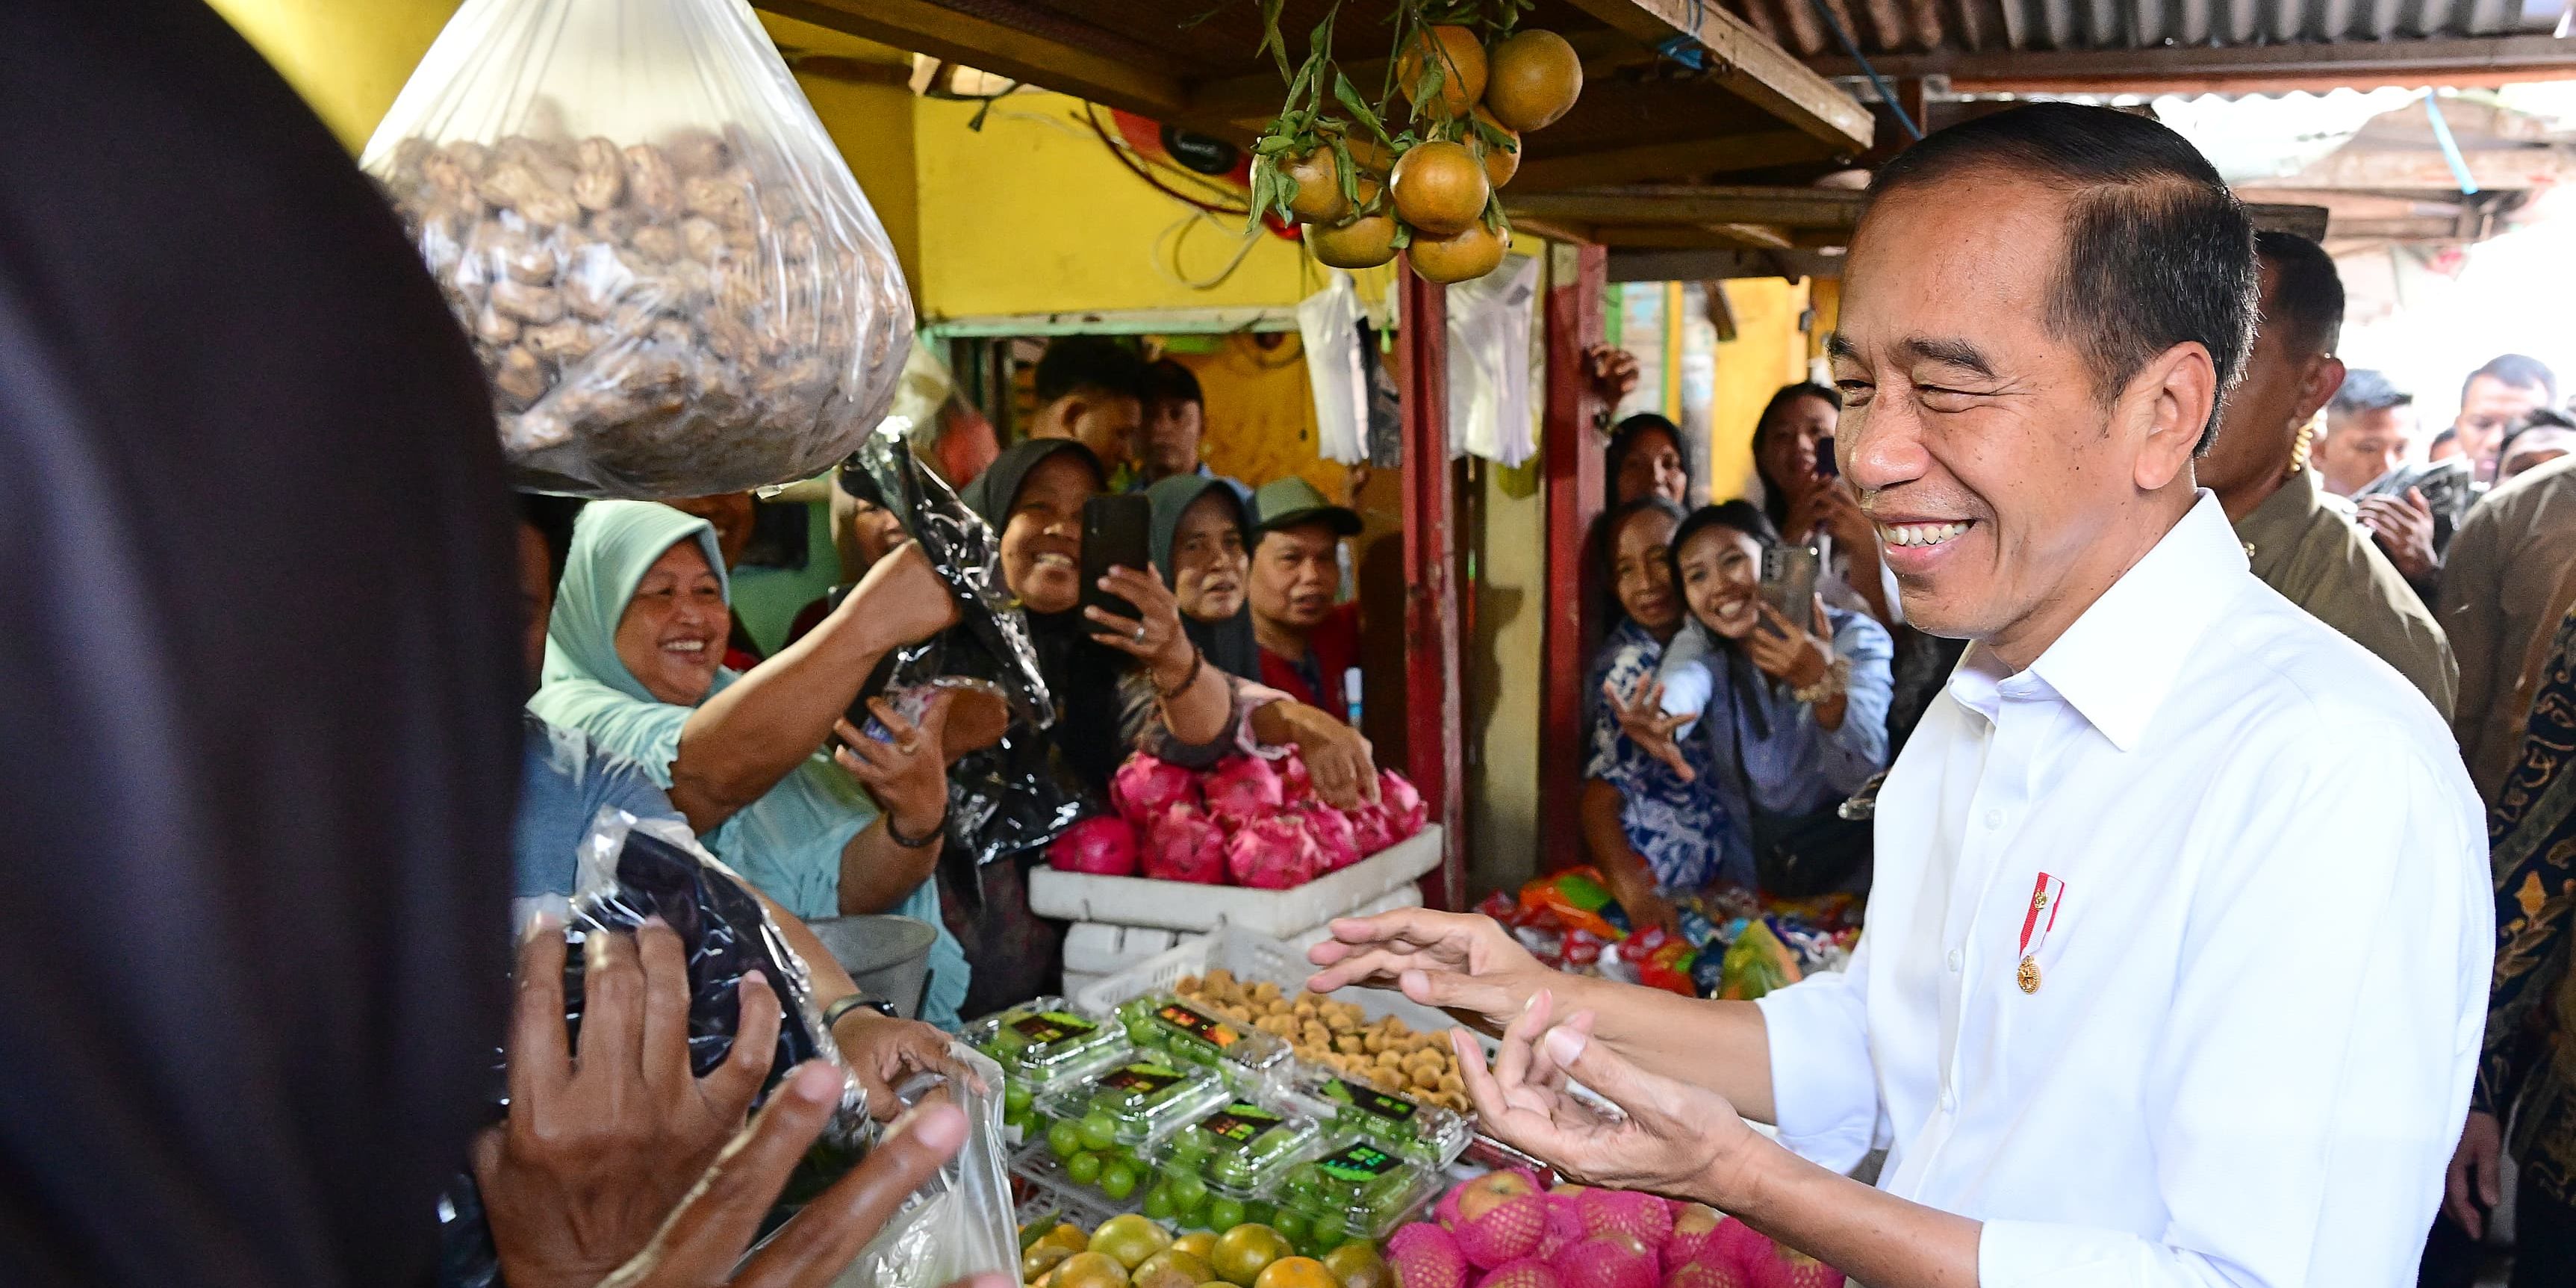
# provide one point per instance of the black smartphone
(1789, 583)
(1117, 532)
(1825, 467)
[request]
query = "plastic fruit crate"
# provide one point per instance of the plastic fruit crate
(1256, 957)
(1183, 905)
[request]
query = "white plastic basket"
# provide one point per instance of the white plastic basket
(1182, 905)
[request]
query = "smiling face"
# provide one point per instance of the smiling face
(1722, 579)
(1787, 456)
(1641, 572)
(1208, 560)
(2008, 489)
(1653, 467)
(672, 635)
(1042, 544)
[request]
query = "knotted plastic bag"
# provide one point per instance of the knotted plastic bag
(960, 1223)
(673, 281)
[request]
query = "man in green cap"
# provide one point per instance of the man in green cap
(1310, 645)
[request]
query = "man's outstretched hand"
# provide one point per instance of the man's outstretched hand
(1464, 964)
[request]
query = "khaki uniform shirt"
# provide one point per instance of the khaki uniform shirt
(2499, 585)
(2305, 544)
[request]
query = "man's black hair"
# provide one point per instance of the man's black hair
(1170, 382)
(2157, 252)
(2514, 371)
(2536, 418)
(2367, 390)
(2307, 293)
(1094, 362)
(552, 517)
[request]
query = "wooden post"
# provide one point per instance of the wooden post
(1433, 738)
(1571, 458)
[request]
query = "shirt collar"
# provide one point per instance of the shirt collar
(2118, 660)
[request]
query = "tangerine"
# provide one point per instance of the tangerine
(1461, 60)
(1243, 1252)
(1319, 198)
(1440, 188)
(1297, 1272)
(1089, 1270)
(1470, 254)
(1500, 163)
(1532, 79)
(1358, 1265)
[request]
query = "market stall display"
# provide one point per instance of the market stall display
(674, 283)
(1732, 943)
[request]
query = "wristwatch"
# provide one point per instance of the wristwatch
(849, 1002)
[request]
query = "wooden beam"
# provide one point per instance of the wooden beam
(1684, 159)
(2306, 221)
(1692, 205)
(1693, 236)
(1435, 735)
(1014, 49)
(1570, 458)
(1746, 62)
(2221, 69)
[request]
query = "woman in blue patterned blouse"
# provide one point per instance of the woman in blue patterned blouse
(1647, 830)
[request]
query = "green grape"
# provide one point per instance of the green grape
(1141, 1034)
(1098, 1131)
(1064, 1139)
(1224, 1213)
(1188, 1191)
(1118, 1180)
(1016, 1097)
(1291, 1225)
(1158, 1204)
(1083, 1168)
(1329, 1230)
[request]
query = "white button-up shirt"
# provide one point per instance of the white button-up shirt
(2258, 1007)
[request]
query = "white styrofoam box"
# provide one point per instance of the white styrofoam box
(1254, 957)
(1095, 950)
(1181, 905)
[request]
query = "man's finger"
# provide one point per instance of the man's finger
(612, 1007)
(664, 1048)
(815, 1247)
(706, 1235)
(1512, 1063)
(2490, 1177)
(731, 1086)
(537, 1056)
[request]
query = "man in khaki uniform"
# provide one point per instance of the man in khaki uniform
(2301, 540)
(2499, 597)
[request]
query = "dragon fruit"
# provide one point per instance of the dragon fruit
(1144, 787)
(1404, 808)
(1337, 843)
(1241, 789)
(1706, 1274)
(1607, 1261)
(1424, 1256)
(1183, 844)
(1524, 1272)
(1102, 845)
(1371, 828)
(1564, 1222)
(1274, 852)
(1295, 784)
(1643, 1217)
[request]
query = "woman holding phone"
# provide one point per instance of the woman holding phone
(1792, 720)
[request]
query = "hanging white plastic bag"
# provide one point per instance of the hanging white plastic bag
(1328, 323)
(1489, 363)
(673, 281)
(960, 1223)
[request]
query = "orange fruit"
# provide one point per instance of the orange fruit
(1440, 188)
(1469, 254)
(1131, 1239)
(1198, 1243)
(1532, 79)
(1358, 1265)
(1369, 156)
(1089, 1270)
(1319, 187)
(1172, 1268)
(1500, 163)
(1242, 1253)
(1297, 1272)
(1461, 60)
(1365, 242)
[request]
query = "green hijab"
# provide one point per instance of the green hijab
(614, 544)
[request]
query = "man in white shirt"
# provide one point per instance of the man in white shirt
(2180, 937)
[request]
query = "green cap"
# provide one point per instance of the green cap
(1292, 501)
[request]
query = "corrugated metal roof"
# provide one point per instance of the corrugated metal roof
(1921, 26)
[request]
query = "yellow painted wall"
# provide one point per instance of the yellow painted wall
(1768, 351)
(1260, 414)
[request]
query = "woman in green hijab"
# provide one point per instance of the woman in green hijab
(634, 658)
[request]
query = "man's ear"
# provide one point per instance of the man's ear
(2166, 409)
(2317, 385)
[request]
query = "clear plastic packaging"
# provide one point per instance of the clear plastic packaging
(1357, 1187)
(1243, 1148)
(961, 1222)
(1140, 1101)
(1164, 1022)
(1045, 1043)
(1426, 1135)
(673, 280)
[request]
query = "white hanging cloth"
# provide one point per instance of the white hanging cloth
(1329, 323)
(1489, 362)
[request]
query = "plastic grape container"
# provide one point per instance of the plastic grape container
(1047, 1043)
(1243, 1147)
(1427, 1135)
(1144, 1099)
(1168, 1024)
(1368, 1190)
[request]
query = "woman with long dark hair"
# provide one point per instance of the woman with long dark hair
(1807, 503)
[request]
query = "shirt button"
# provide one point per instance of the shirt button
(1994, 819)
(1954, 961)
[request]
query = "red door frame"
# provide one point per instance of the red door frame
(1571, 459)
(1434, 736)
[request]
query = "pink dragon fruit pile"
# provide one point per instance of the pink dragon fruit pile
(1498, 1231)
(1248, 821)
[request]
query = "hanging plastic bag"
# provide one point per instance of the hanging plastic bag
(1328, 322)
(629, 870)
(673, 281)
(1003, 799)
(961, 1222)
(1489, 363)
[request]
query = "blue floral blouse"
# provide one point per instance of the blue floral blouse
(1680, 828)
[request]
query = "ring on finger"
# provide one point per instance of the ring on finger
(1140, 635)
(909, 746)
